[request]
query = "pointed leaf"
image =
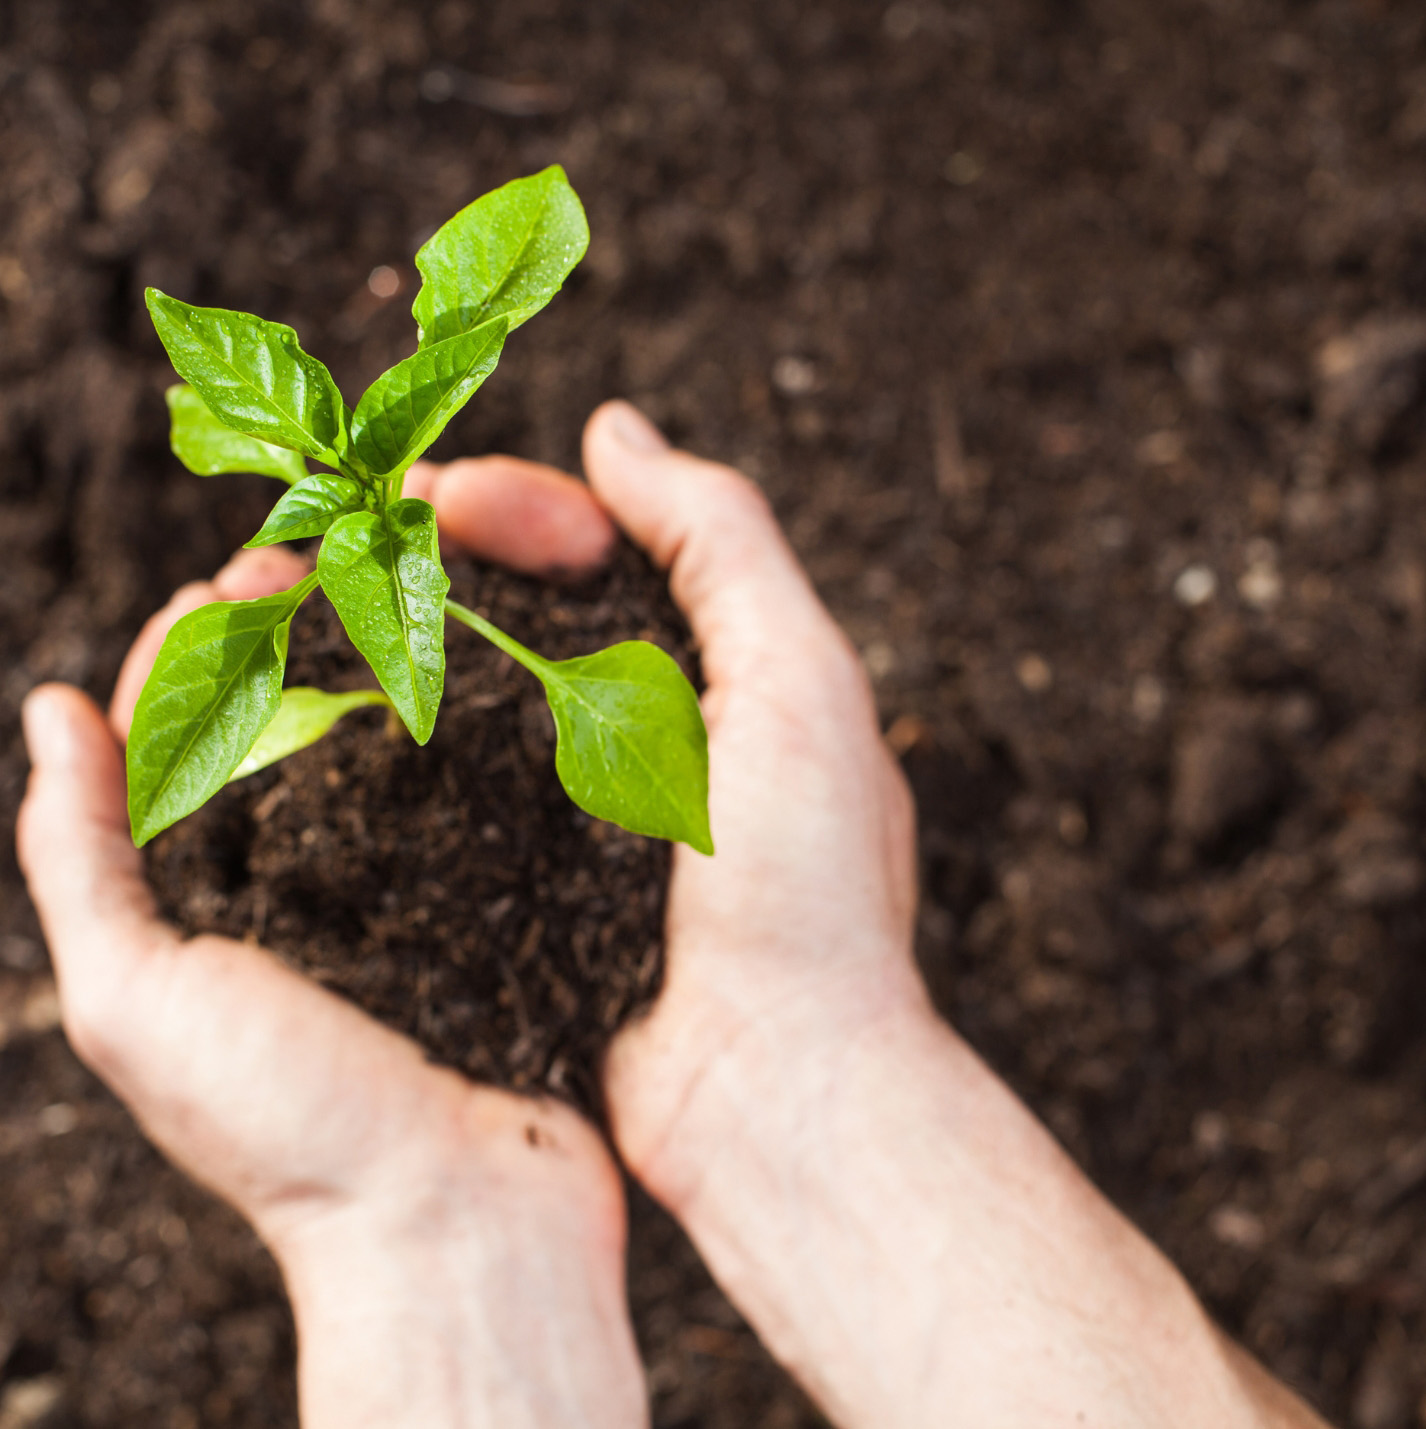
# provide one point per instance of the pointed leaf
(405, 409)
(215, 686)
(382, 571)
(310, 507)
(208, 448)
(505, 255)
(252, 375)
(632, 745)
(303, 718)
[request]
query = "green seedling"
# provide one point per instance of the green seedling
(631, 748)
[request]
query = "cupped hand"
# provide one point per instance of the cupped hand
(454, 1253)
(897, 1227)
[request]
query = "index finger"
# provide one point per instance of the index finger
(521, 514)
(248, 576)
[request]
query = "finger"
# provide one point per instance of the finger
(519, 513)
(420, 479)
(73, 842)
(144, 651)
(248, 576)
(99, 919)
(730, 568)
(148, 1014)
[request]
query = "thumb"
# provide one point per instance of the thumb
(84, 873)
(730, 568)
(270, 1090)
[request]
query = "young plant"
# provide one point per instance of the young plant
(631, 742)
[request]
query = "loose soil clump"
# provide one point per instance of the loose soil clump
(451, 890)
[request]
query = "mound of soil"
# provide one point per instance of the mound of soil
(451, 890)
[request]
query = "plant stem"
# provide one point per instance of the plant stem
(497, 637)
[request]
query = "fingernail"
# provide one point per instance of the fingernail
(46, 732)
(634, 430)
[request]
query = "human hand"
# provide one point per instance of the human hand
(454, 1253)
(897, 1227)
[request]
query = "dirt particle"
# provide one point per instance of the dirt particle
(1147, 698)
(1162, 448)
(1224, 775)
(1195, 586)
(1370, 377)
(1034, 673)
(1071, 824)
(1234, 1226)
(1377, 866)
(794, 376)
(27, 1401)
(57, 1119)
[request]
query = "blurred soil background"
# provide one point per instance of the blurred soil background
(1081, 345)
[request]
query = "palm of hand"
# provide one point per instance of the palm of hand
(280, 1097)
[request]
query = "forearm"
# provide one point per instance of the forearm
(901, 1231)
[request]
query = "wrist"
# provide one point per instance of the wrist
(487, 1290)
(726, 1061)
(898, 1228)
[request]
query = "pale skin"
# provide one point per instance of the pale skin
(900, 1231)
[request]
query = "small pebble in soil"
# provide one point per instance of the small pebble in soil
(59, 1119)
(28, 1401)
(1196, 585)
(1260, 586)
(794, 376)
(1237, 1227)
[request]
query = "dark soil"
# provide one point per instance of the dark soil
(451, 890)
(1080, 343)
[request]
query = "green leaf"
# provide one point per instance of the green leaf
(382, 571)
(303, 718)
(632, 746)
(252, 375)
(405, 409)
(310, 507)
(208, 448)
(505, 255)
(215, 686)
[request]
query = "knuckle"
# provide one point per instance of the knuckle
(737, 494)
